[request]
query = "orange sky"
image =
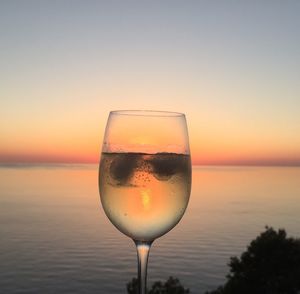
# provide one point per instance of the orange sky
(69, 141)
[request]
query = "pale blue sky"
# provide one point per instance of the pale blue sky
(73, 61)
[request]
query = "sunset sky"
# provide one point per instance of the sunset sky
(233, 67)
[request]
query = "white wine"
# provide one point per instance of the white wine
(144, 195)
(145, 189)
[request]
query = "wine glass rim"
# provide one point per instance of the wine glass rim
(155, 113)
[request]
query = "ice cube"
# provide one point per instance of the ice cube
(164, 166)
(122, 167)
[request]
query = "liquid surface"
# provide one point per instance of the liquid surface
(56, 239)
(144, 195)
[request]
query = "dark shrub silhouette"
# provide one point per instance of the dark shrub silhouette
(271, 265)
(132, 286)
(171, 286)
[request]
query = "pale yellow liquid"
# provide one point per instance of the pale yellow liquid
(144, 195)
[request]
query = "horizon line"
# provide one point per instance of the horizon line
(204, 164)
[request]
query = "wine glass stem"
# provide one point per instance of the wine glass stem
(143, 249)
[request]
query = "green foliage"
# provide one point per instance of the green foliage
(271, 265)
(171, 286)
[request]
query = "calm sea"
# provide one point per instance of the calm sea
(55, 238)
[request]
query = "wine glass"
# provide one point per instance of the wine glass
(145, 176)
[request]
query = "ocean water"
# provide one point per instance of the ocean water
(55, 237)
